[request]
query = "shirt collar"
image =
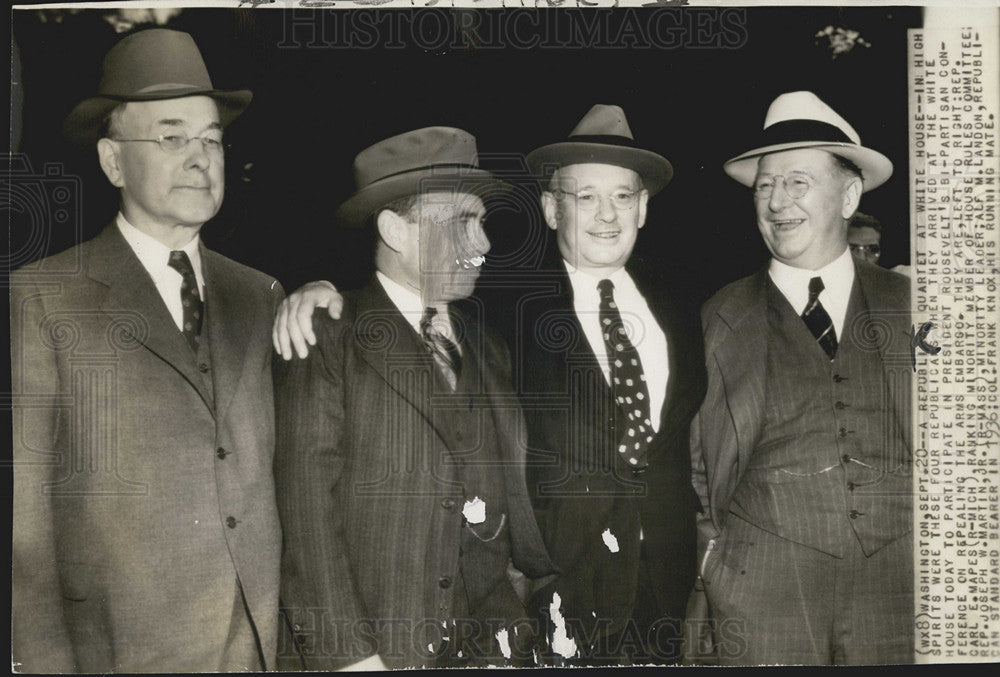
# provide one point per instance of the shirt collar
(585, 283)
(406, 301)
(153, 254)
(837, 276)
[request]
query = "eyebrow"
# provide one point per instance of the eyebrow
(177, 122)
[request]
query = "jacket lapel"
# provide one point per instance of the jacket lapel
(386, 341)
(230, 317)
(742, 360)
(131, 291)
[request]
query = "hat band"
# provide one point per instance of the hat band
(431, 168)
(608, 139)
(791, 131)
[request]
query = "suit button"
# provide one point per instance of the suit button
(837, 378)
(221, 453)
(301, 639)
(447, 504)
(854, 514)
(840, 405)
(845, 458)
(842, 432)
(203, 368)
(231, 522)
(850, 486)
(444, 582)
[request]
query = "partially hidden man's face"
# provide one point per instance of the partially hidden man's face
(161, 189)
(596, 211)
(449, 248)
(808, 231)
(864, 242)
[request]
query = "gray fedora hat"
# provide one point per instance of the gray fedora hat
(150, 65)
(423, 160)
(604, 137)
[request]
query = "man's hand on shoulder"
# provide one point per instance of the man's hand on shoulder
(293, 321)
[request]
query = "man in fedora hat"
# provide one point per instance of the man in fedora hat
(145, 531)
(611, 486)
(400, 469)
(609, 470)
(801, 451)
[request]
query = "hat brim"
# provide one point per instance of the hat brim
(84, 121)
(354, 212)
(875, 167)
(655, 170)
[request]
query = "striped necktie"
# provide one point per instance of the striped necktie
(441, 348)
(818, 320)
(190, 299)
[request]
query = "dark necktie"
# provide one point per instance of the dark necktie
(444, 352)
(190, 300)
(818, 320)
(628, 382)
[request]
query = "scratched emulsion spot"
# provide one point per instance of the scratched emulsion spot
(504, 641)
(475, 511)
(610, 540)
(562, 643)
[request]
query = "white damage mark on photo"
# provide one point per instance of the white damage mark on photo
(475, 511)
(503, 639)
(562, 643)
(610, 540)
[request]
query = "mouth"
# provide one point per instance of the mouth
(781, 225)
(604, 234)
(193, 187)
(470, 263)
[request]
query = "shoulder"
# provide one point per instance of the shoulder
(736, 294)
(254, 281)
(891, 288)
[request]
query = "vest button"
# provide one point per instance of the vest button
(838, 378)
(850, 486)
(231, 522)
(842, 432)
(444, 582)
(448, 504)
(203, 368)
(840, 405)
(845, 458)
(854, 514)
(221, 453)
(301, 639)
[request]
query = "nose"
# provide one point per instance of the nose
(779, 196)
(605, 209)
(479, 244)
(197, 155)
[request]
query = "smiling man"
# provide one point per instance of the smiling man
(145, 530)
(802, 450)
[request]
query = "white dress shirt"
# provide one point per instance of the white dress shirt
(408, 303)
(155, 258)
(641, 326)
(838, 278)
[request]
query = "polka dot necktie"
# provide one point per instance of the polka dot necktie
(628, 382)
(818, 320)
(190, 300)
(444, 352)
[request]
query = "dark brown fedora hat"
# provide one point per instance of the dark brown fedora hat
(424, 160)
(604, 137)
(150, 65)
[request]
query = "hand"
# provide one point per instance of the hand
(371, 663)
(293, 322)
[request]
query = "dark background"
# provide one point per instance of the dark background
(318, 103)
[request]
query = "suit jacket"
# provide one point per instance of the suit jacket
(727, 428)
(578, 486)
(371, 510)
(127, 469)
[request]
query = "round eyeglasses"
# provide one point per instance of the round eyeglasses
(796, 186)
(587, 201)
(176, 143)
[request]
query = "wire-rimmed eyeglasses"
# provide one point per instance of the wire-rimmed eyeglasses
(588, 201)
(176, 143)
(796, 186)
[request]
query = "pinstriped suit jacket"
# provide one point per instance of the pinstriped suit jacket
(728, 426)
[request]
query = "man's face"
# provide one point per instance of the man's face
(596, 211)
(452, 245)
(864, 243)
(808, 231)
(164, 190)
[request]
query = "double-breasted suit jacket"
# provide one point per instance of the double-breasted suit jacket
(371, 506)
(579, 486)
(143, 481)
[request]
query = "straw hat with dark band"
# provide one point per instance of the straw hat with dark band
(150, 65)
(801, 120)
(603, 137)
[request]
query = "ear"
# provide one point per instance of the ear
(392, 229)
(108, 154)
(852, 197)
(550, 209)
(643, 199)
